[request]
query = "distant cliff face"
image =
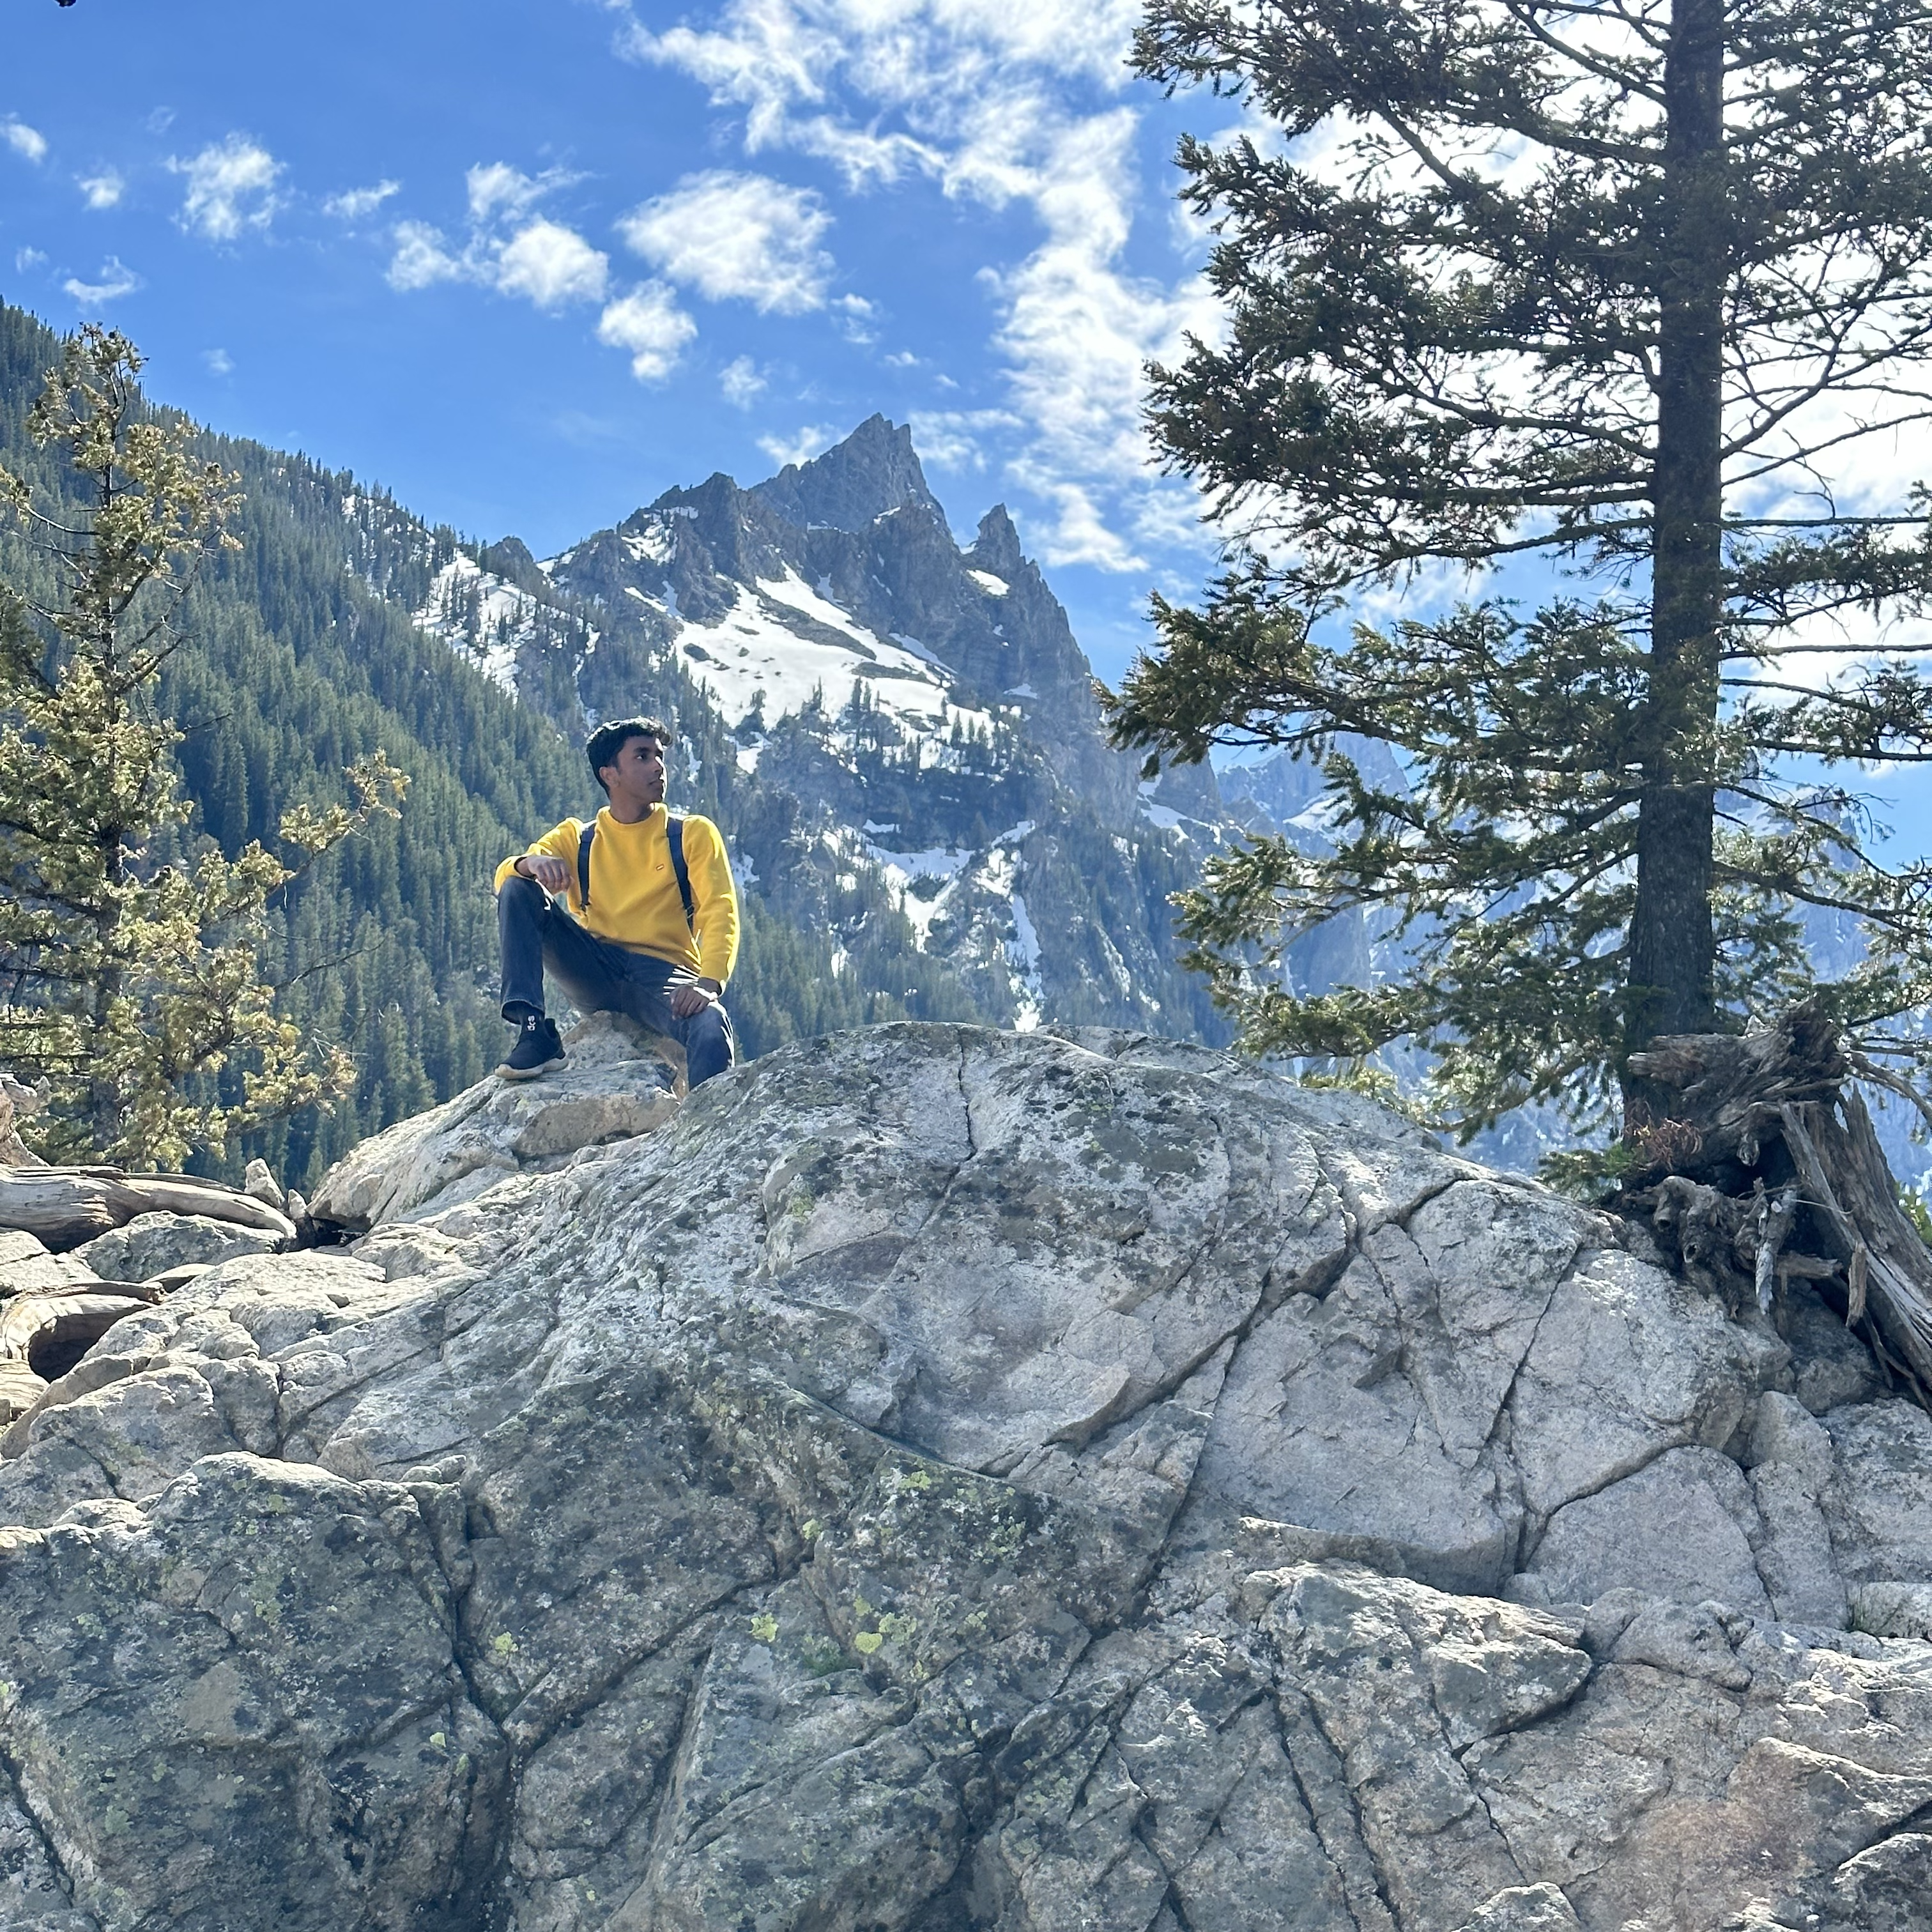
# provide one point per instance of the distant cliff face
(947, 1481)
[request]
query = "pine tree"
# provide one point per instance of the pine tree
(1610, 288)
(129, 964)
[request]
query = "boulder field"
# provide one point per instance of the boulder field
(963, 1482)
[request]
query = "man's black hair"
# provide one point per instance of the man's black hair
(603, 744)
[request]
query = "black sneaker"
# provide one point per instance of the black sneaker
(537, 1048)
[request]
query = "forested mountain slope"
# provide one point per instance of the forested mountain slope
(898, 736)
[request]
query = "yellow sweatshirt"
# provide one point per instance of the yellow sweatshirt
(634, 897)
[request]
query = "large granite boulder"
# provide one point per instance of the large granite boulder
(940, 1480)
(616, 1083)
(154, 1244)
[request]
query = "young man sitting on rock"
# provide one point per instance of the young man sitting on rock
(655, 933)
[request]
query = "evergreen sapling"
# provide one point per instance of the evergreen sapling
(129, 979)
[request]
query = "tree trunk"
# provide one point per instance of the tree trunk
(1765, 1170)
(103, 1104)
(1671, 980)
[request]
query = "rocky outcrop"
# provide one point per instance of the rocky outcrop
(152, 1244)
(617, 1083)
(942, 1479)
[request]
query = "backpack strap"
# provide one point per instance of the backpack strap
(674, 838)
(587, 831)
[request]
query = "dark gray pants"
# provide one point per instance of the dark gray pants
(601, 976)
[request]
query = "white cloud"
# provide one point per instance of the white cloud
(737, 236)
(801, 448)
(103, 190)
(542, 260)
(952, 71)
(956, 438)
(498, 189)
(117, 280)
(353, 204)
(421, 259)
(231, 187)
(24, 258)
(28, 142)
(1078, 332)
(552, 265)
(741, 382)
(1002, 103)
(856, 313)
(649, 323)
(218, 361)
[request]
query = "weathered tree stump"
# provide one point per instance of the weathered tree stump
(1763, 1168)
(17, 1101)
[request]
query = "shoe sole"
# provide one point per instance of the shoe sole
(507, 1071)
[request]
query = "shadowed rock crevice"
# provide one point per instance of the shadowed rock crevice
(34, 1870)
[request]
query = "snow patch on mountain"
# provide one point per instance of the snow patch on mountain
(1023, 956)
(480, 616)
(760, 649)
(922, 882)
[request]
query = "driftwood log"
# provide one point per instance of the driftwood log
(65, 1206)
(1757, 1166)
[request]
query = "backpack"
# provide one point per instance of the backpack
(674, 837)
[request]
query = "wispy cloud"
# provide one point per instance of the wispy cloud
(217, 361)
(117, 280)
(421, 259)
(741, 382)
(737, 237)
(231, 188)
(27, 259)
(508, 247)
(801, 447)
(496, 190)
(354, 204)
(957, 439)
(649, 323)
(28, 142)
(103, 190)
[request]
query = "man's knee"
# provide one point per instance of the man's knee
(524, 894)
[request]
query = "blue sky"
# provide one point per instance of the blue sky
(529, 264)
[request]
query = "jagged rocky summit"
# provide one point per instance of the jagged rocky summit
(914, 759)
(940, 1479)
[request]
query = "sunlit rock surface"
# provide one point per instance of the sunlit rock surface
(938, 1479)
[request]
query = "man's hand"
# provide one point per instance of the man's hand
(693, 998)
(549, 871)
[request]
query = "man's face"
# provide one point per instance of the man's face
(636, 776)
